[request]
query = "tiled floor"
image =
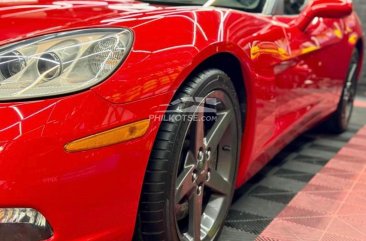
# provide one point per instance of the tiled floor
(332, 205)
(315, 190)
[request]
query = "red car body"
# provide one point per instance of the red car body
(293, 80)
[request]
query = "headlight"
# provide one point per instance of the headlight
(61, 63)
(23, 224)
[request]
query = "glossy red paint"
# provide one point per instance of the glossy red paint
(292, 81)
(324, 9)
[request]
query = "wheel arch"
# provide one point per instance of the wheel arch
(231, 65)
(239, 70)
(360, 47)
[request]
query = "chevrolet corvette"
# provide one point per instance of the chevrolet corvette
(124, 119)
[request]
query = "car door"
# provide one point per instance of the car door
(309, 81)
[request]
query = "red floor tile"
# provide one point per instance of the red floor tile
(360, 103)
(332, 207)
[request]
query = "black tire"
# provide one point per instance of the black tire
(160, 216)
(339, 121)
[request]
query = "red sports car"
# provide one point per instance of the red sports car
(127, 119)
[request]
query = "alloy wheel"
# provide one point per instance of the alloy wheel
(205, 178)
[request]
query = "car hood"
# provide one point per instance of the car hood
(21, 19)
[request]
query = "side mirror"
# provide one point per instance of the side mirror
(323, 9)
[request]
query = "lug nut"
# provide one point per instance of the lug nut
(208, 176)
(194, 177)
(199, 190)
(200, 156)
(208, 154)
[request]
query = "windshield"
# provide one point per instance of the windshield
(245, 5)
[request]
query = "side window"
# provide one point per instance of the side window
(255, 6)
(293, 7)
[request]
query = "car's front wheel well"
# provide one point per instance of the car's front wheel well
(232, 67)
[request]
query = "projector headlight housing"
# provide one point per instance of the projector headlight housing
(61, 63)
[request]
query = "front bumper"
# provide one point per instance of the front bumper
(87, 195)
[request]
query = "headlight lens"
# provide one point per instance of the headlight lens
(23, 224)
(61, 63)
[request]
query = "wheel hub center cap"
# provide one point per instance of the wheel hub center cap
(201, 165)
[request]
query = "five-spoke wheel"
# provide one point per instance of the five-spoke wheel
(191, 174)
(205, 179)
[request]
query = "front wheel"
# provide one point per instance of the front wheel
(189, 182)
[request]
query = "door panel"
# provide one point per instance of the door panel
(308, 86)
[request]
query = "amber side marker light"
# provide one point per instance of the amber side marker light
(110, 137)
